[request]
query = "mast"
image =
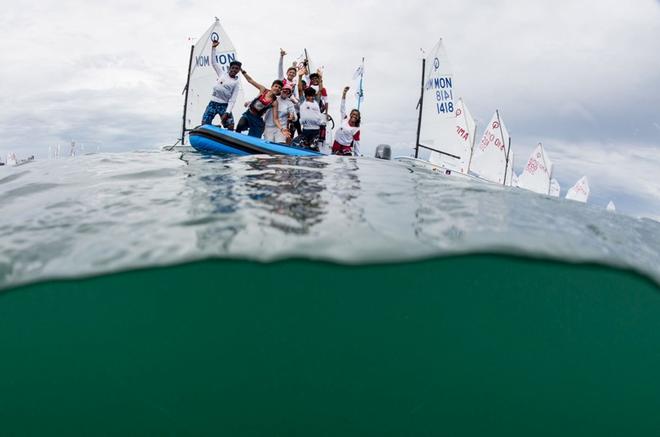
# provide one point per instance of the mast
(185, 101)
(361, 92)
(508, 150)
(474, 139)
(420, 105)
(506, 167)
(545, 164)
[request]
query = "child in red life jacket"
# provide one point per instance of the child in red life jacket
(252, 119)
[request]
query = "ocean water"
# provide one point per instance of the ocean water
(171, 293)
(109, 212)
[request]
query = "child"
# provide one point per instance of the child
(252, 118)
(347, 136)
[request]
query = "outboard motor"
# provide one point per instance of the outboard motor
(384, 151)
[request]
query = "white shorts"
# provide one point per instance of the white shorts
(273, 134)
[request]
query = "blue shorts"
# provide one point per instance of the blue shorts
(215, 108)
(253, 123)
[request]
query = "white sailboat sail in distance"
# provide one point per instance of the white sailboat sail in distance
(580, 191)
(537, 173)
(555, 188)
(438, 115)
(202, 77)
(511, 177)
(611, 207)
(491, 155)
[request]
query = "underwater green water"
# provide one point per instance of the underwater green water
(462, 346)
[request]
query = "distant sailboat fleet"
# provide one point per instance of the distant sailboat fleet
(447, 130)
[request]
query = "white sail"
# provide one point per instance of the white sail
(580, 191)
(611, 207)
(438, 117)
(537, 173)
(489, 160)
(511, 177)
(555, 188)
(203, 77)
(11, 159)
(466, 129)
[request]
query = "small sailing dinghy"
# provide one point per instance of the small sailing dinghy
(514, 179)
(555, 188)
(492, 159)
(445, 127)
(580, 191)
(202, 77)
(611, 207)
(537, 173)
(213, 139)
(11, 159)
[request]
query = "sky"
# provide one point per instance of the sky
(581, 76)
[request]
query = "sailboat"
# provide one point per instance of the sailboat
(555, 188)
(492, 159)
(445, 126)
(514, 179)
(202, 77)
(580, 191)
(200, 82)
(11, 159)
(537, 173)
(437, 122)
(464, 136)
(611, 207)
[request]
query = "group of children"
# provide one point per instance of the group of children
(294, 110)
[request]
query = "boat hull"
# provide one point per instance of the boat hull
(213, 139)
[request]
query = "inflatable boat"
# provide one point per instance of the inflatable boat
(212, 139)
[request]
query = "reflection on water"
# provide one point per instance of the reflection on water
(283, 194)
(108, 212)
(289, 192)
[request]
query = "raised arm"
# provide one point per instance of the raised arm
(214, 62)
(324, 97)
(252, 82)
(280, 65)
(342, 106)
(301, 91)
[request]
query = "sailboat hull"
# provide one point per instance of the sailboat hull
(415, 162)
(212, 139)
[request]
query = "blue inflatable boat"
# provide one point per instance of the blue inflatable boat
(212, 139)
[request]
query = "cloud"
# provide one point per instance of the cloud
(582, 73)
(625, 173)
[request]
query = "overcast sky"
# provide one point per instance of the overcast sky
(581, 76)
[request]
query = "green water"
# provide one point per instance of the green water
(467, 346)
